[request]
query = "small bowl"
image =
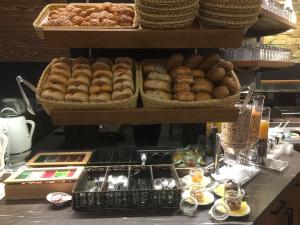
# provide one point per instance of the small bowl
(58, 198)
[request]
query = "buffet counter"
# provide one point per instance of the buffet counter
(271, 196)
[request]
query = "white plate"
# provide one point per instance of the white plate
(63, 198)
(231, 213)
(210, 199)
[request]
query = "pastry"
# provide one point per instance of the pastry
(226, 65)
(180, 87)
(102, 73)
(101, 66)
(209, 62)
(57, 79)
(122, 78)
(121, 66)
(203, 85)
(60, 66)
(77, 87)
(82, 72)
(231, 84)
(197, 73)
(77, 97)
(157, 94)
(220, 92)
(123, 94)
(203, 96)
(216, 74)
(81, 66)
(53, 95)
(79, 80)
(61, 60)
(102, 80)
(81, 60)
(101, 97)
(159, 76)
(153, 67)
(185, 96)
(96, 89)
(122, 85)
(55, 87)
(61, 72)
(193, 61)
(182, 70)
(106, 61)
(184, 78)
(157, 85)
(126, 60)
(120, 72)
(174, 61)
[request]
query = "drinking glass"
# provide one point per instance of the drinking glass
(233, 199)
(264, 123)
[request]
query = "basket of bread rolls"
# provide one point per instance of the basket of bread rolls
(192, 82)
(82, 84)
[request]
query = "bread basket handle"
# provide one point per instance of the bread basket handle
(21, 80)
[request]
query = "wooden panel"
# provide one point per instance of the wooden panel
(193, 37)
(19, 42)
(270, 24)
(143, 116)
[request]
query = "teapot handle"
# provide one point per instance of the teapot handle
(3, 146)
(32, 123)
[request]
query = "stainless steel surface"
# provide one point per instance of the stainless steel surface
(21, 80)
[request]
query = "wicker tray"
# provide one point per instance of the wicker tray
(50, 105)
(39, 23)
(149, 102)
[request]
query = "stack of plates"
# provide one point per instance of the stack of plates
(233, 14)
(166, 14)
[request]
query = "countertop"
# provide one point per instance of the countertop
(261, 192)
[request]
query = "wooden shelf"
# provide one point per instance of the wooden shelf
(143, 116)
(261, 65)
(270, 24)
(193, 37)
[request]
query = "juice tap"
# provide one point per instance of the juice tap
(217, 151)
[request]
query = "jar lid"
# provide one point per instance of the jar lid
(219, 211)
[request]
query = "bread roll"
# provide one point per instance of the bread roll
(226, 65)
(216, 74)
(185, 96)
(53, 95)
(81, 66)
(61, 72)
(203, 85)
(57, 79)
(77, 97)
(175, 61)
(60, 66)
(221, 92)
(106, 61)
(153, 67)
(126, 60)
(120, 72)
(231, 84)
(125, 93)
(81, 60)
(121, 66)
(96, 89)
(102, 73)
(209, 62)
(159, 76)
(79, 80)
(184, 78)
(203, 96)
(158, 94)
(82, 72)
(122, 85)
(181, 87)
(157, 85)
(102, 80)
(122, 78)
(77, 88)
(101, 97)
(55, 87)
(193, 61)
(182, 70)
(197, 73)
(101, 66)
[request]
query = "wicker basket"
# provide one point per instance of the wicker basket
(50, 105)
(233, 9)
(234, 2)
(169, 17)
(229, 24)
(149, 102)
(39, 23)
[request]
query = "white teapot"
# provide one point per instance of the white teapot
(14, 126)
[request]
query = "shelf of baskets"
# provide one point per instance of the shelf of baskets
(143, 116)
(261, 65)
(270, 24)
